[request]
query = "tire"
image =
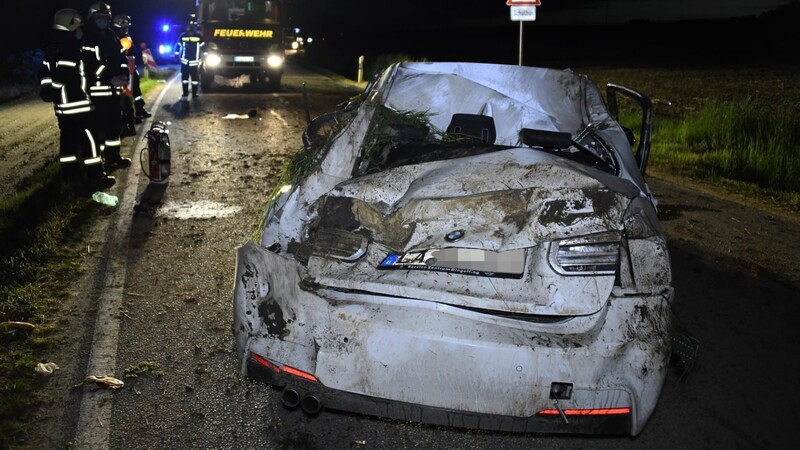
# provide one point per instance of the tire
(205, 82)
(274, 83)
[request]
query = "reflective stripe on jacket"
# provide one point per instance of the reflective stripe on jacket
(63, 72)
(189, 48)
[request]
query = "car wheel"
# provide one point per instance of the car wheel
(274, 84)
(205, 83)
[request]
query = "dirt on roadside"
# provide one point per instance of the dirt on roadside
(758, 238)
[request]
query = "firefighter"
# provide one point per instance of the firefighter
(189, 48)
(119, 25)
(109, 73)
(135, 112)
(63, 82)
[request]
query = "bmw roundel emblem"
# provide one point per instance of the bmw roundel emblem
(454, 235)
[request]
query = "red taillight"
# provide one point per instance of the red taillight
(266, 363)
(587, 412)
(278, 368)
(300, 373)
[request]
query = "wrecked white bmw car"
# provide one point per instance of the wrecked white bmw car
(465, 244)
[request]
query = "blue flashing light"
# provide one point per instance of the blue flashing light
(165, 28)
(165, 49)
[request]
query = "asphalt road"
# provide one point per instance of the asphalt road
(157, 297)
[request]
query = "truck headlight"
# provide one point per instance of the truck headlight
(213, 60)
(275, 61)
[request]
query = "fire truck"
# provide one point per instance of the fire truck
(241, 38)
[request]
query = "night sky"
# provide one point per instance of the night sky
(31, 20)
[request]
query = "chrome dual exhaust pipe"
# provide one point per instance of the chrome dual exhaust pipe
(292, 397)
(311, 404)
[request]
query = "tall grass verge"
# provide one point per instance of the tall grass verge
(383, 61)
(38, 264)
(741, 142)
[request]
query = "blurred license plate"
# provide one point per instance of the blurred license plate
(507, 264)
(243, 59)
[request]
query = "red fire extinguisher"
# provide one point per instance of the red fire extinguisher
(158, 153)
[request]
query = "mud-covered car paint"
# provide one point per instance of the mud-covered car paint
(518, 280)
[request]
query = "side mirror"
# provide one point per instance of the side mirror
(629, 134)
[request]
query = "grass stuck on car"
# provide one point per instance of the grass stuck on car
(470, 245)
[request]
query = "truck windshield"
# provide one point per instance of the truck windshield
(234, 10)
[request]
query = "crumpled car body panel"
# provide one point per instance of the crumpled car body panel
(512, 287)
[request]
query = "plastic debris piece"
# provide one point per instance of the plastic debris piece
(46, 368)
(105, 199)
(13, 325)
(103, 381)
(684, 351)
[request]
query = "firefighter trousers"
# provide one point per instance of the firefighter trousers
(108, 110)
(79, 151)
(190, 71)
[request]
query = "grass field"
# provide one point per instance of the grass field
(735, 128)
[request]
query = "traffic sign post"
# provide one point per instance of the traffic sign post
(523, 11)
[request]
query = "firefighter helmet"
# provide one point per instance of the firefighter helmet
(122, 21)
(99, 15)
(67, 19)
(192, 23)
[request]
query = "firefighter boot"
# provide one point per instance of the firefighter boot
(113, 159)
(129, 129)
(70, 173)
(97, 178)
(141, 113)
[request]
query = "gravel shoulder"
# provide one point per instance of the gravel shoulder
(760, 239)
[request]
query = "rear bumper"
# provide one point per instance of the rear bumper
(302, 390)
(434, 363)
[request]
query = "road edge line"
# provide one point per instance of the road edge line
(94, 419)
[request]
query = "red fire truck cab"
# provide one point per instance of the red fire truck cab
(241, 38)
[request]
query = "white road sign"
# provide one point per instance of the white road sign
(523, 13)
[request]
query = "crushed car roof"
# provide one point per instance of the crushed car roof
(515, 96)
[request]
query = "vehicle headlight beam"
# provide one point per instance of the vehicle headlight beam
(213, 59)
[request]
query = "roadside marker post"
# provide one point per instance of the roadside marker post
(523, 11)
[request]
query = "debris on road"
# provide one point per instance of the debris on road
(14, 325)
(46, 369)
(105, 199)
(103, 381)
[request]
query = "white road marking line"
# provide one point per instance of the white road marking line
(94, 421)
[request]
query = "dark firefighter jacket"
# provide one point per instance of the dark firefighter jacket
(189, 47)
(63, 76)
(109, 66)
